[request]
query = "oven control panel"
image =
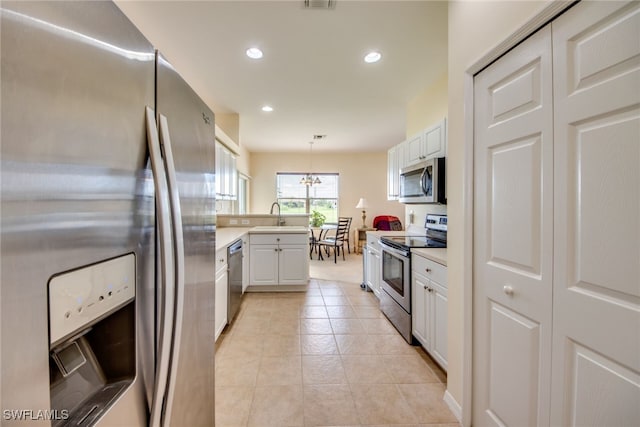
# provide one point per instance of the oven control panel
(80, 297)
(436, 222)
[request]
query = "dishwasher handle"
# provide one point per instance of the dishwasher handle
(235, 247)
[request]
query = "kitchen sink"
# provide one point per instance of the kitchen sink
(279, 229)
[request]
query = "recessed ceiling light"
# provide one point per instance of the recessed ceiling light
(254, 53)
(372, 57)
(267, 108)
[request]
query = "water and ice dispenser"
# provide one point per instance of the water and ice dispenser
(91, 338)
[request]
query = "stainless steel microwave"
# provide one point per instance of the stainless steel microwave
(424, 182)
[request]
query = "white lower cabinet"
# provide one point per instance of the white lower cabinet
(429, 307)
(278, 259)
(372, 264)
(221, 292)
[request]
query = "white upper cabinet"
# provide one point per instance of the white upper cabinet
(434, 140)
(430, 142)
(226, 174)
(414, 149)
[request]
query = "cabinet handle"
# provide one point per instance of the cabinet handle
(276, 249)
(221, 260)
(508, 290)
(425, 287)
(428, 270)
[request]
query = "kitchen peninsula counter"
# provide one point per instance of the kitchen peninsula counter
(227, 235)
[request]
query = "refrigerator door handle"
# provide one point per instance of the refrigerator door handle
(176, 215)
(166, 270)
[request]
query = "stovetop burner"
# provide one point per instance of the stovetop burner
(407, 242)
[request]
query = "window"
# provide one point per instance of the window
(243, 183)
(296, 198)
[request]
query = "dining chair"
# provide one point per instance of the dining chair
(337, 241)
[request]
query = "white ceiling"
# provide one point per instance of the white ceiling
(312, 72)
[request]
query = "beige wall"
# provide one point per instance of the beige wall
(427, 108)
(230, 124)
(361, 175)
(474, 28)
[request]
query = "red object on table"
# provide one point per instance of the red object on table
(387, 222)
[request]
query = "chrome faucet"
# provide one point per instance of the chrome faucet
(280, 220)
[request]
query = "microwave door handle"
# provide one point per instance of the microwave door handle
(423, 183)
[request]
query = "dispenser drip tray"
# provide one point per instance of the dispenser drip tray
(91, 409)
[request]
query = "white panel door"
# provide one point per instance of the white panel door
(596, 362)
(513, 237)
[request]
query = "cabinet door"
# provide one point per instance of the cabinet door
(373, 271)
(438, 303)
(264, 265)
(293, 264)
(435, 140)
(221, 301)
(414, 149)
(513, 236)
(419, 308)
(365, 266)
(219, 171)
(232, 172)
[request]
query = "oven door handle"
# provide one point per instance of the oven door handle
(405, 254)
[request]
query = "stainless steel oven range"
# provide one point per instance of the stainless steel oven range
(395, 298)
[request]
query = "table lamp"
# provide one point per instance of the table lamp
(362, 204)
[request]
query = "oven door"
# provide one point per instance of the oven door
(396, 275)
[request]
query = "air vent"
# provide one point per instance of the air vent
(319, 4)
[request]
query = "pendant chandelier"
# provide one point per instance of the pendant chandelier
(310, 179)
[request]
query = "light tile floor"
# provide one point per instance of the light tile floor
(325, 357)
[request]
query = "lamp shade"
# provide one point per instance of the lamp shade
(362, 204)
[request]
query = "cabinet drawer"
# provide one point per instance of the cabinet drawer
(275, 239)
(221, 260)
(373, 241)
(432, 270)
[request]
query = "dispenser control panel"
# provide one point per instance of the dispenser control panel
(80, 297)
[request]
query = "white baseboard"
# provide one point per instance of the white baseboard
(455, 407)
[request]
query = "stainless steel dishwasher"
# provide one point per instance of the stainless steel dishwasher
(234, 266)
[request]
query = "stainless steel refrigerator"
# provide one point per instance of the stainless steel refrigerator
(107, 225)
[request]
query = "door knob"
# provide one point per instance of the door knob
(508, 290)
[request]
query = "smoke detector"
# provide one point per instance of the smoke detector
(319, 4)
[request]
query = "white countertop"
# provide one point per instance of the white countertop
(227, 235)
(438, 255)
(282, 229)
